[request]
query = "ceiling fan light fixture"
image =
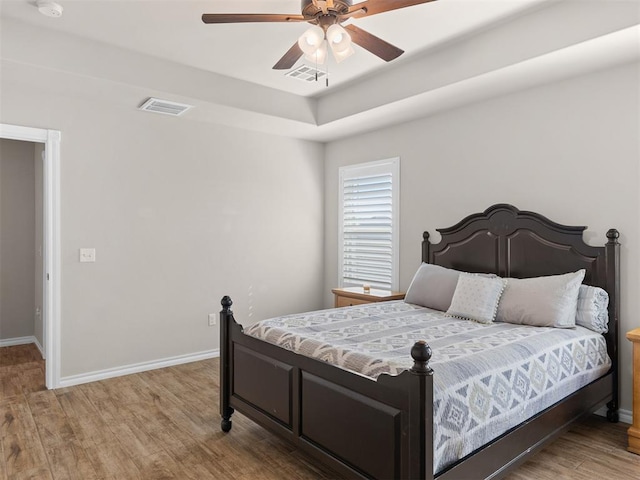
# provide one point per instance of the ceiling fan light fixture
(311, 40)
(343, 54)
(338, 36)
(340, 42)
(319, 55)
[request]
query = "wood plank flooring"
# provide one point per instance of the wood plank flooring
(164, 424)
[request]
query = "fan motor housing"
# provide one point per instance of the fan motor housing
(311, 10)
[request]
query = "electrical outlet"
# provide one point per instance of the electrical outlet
(87, 255)
(212, 319)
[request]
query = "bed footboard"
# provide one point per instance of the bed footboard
(359, 427)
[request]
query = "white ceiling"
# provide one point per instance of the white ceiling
(173, 30)
(456, 52)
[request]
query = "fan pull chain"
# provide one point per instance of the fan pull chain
(316, 59)
(327, 79)
(328, 61)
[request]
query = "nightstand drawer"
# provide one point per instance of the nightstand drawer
(349, 296)
(348, 302)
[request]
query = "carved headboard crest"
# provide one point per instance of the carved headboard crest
(514, 243)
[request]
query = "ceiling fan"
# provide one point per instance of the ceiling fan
(326, 17)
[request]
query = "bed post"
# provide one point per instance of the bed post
(425, 247)
(612, 251)
(421, 413)
(226, 317)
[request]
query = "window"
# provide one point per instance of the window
(368, 243)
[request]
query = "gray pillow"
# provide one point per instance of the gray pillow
(592, 310)
(541, 301)
(432, 287)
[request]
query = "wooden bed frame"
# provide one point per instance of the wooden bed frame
(383, 428)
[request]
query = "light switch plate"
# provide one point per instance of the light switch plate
(87, 255)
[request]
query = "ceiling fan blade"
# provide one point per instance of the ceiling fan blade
(353, 13)
(289, 59)
(375, 45)
(373, 7)
(250, 18)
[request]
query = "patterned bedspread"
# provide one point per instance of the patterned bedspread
(487, 378)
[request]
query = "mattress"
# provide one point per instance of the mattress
(487, 378)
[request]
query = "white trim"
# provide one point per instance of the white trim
(12, 342)
(51, 240)
(137, 368)
(39, 346)
(625, 416)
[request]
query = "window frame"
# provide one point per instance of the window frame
(387, 166)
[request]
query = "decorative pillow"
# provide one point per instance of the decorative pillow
(592, 310)
(432, 287)
(476, 297)
(541, 301)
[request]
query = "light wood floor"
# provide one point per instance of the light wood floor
(164, 424)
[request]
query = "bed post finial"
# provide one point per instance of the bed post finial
(421, 354)
(613, 235)
(226, 303)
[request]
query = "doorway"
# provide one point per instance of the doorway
(50, 140)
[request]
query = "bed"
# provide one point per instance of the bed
(381, 425)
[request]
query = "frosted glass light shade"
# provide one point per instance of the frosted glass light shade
(319, 56)
(310, 40)
(340, 42)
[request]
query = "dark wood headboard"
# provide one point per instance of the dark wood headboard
(513, 243)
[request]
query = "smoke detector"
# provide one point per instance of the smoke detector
(50, 9)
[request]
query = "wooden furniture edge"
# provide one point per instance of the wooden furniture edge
(371, 297)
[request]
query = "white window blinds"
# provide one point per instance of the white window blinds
(369, 224)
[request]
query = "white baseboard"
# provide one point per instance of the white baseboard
(12, 342)
(136, 368)
(625, 416)
(35, 340)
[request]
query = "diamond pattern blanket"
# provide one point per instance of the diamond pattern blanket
(487, 379)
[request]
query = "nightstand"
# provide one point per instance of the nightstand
(346, 297)
(634, 430)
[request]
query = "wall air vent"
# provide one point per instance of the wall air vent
(166, 107)
(306, 73)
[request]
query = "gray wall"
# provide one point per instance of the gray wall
(180, 213)
(568, 150)
(17, 239)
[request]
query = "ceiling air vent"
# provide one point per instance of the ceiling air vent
(164, 106)
(306, 73)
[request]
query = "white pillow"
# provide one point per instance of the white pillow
(541, 301)
(592, 310)
(476, 297)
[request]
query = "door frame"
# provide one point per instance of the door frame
(51, 240)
